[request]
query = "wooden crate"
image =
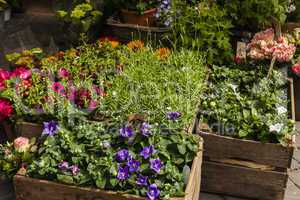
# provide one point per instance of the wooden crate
(245, 168)
(22, 129)
(34, 189)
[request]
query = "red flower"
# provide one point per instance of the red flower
(4, 74)
(296, 69)
(22, 73)
(82, 97)
(63, 73)
(2, 85)
(58, 87)
(99, 91)
(237, 60)
(6, 109)
(93, 105)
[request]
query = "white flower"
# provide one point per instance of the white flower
(114, 93)
(281, 110)
(234, 87)
(276, 127)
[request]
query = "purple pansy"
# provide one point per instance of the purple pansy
(63, 166)
(147, 152)
(173, 115)
(123, 173)
(156, 165)
(75, 169)
(126, 131)
(153, 192)
(50, 128)
(145, 129)
(134, 165)
(122, 155)
(142, 180)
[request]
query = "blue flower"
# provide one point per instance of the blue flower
(145, 129)
(63, 166)
(153, 192)
(156, 165)
(75, 169)
(142, 180)
(173, 115)
(134, 165)
(122, 155)
(147, 152)
(50, 128)
(126, 132)
(123, 173)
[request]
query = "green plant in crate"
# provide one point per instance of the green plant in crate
(246, 104)
(201, 25)
(132, 157)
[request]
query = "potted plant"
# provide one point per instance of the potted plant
(139, 12)
(14, 158)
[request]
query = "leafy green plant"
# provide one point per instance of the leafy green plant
(3, 5)
(244, 103)
(128, 157)
(256, 14)
(203, 26)
(137, 5)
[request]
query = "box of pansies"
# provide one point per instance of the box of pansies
(99, 160)
(245, 123)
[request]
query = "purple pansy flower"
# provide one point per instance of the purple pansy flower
(156, 165)
(153, 192)
(145, 129)
(50, 128)
(63, 166)
(147, 152)
(122, 155)
(126, 132)
(134, 165)
(75, 169)
(173, 115)
(123, 173)
(142, 180)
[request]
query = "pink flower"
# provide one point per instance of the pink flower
(6, 109)
(21, 144)
(4, 74)
(296, 69)
(2, 85)
(63, 73)
(58, 88)
(99, 91)
(22, 73)
(93, 105)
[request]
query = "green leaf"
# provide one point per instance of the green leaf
(181, 148)
(65, 179)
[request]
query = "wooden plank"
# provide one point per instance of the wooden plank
(29, 130)
(243, 182)
(222, 147)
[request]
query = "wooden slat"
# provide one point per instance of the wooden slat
(29, 130)
(221, 147)
(243, 182)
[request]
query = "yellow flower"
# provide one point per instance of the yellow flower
(112, 41)
(135, 45)
(162, 53)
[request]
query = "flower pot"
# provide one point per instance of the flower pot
(28, 130)
(132, 17)
(6, 189)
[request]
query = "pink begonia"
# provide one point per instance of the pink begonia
(21, 144)
(263, 46)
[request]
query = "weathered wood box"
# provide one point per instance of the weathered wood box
(22, 129)
(34, 189)
(245, 168)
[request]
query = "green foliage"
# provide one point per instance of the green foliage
(256, 14)
(245, 104)
(137, 5)
(93, 147)
(203, 26)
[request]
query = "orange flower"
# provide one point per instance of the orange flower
(135, 45)
(112, 41)
(162, 53)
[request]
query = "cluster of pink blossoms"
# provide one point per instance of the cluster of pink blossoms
(264, 46)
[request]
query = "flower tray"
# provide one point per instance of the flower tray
(244, 168)
(34, 189)
(128, 32)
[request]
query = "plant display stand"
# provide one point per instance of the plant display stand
(34, 189)
(128, 32)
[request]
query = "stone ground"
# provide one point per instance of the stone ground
(38, 27)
